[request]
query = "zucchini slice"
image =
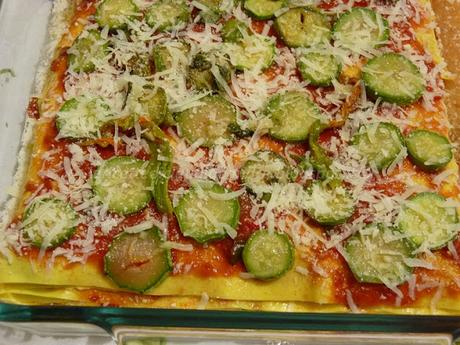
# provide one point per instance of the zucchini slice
(292, 115)
(165, 15)
(48, 222)
(268, 255)
(361, 30)
(320, 69)
(205, 213)
(82, 117)
(160, 173)
(115, 13)
(263, 9)
(88, 47)
(141, 65)
(264, 169)
(210, 10)
(428, 221)
(393, 78)
(137, 261)
(254, 52)
(380, 143)
(303, 27)
(163, 54)
(429, 150)
(122, 183)
(199, 73)
(233, 31)
(329, 206)
(376, 254)
(208, 121)
(152, 104)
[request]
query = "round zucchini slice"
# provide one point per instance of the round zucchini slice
(303, 27)
(268, 255)
(264, 169)
(427, 220)
(211, 12)
(152, 104)
(263, 9)
(199, 73)
(361, 30)
(122, 183)
(205, 213)
(253, 52)
(82, 117)
(292, 115)
(141, 65)
(329, 206)
(116, 13)
(209, 121)
(89, 46)
(377, 254)
(429, 150)
(137, 261)
(163, 54)
(393, 78)
(233, 31)
(380, 143)
(320, 69)
(48, 222)
(165, 15)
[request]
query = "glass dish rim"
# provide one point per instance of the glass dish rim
(109, 317)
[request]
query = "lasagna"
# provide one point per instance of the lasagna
(288, 155)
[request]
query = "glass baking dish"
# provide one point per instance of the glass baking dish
(23, 31)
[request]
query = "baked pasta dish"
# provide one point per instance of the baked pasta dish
(288, 155)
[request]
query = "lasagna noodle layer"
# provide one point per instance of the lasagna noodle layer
(39, 295)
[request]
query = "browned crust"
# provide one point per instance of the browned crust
(448, 18)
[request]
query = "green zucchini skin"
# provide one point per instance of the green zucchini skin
(82, 117)
(199, 208)
(162, 54)
(268, 255)
(141, 65)
(264, 169)
(393, 78)
(367, 254)
(329, 206)
(293, 114)
(263, 9)
(429, 150)
(427, 221)
(303, 27)
(213, 12)
(232, 31)
(137, 261)
(320, 69)
(167, 14)
(243, 57)
(43, 215)
(152, 104)
(108, 10)
(209, 121)
(361, 29)
(200, 74)
(380, 143)
(122, 183)
(161, 170)
(87, 46)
